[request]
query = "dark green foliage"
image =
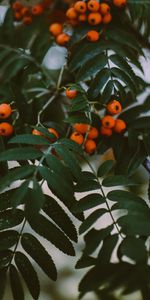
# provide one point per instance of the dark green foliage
(108, 69)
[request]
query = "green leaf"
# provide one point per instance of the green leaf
(107, 249)
(91, 219)
(63, 191)
(141, 123)
(28, 273)
(71, 145)
(60, 217)
(37, 199)
(70, 160)
(86, 53)
(134, 248)
(14, 174)
(146, 140)
(5, 258)
(11, 218)
(98, 83)
(35, 249)
(125, 78)
(123, 65)
(86, 185)
(117, 180)
(16, 285)
(124, 196)
(49, 231)
(94, 237)
(20, 154)
(88, 202)
(29, 139)
(3, 279)
(8, 239)
(105, 168)
(90, 68)
(19, 194)
(136, 223)
(136, 160)
(106, 94)
(85, 261)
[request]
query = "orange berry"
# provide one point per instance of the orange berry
(27, 20)
(77, 137)
(107, 18)
(80, 7)
(120, 126)
(54, 132)
(106, 131)
(62, 39)
(5, 110)
(114, 107)
(108, 122)
(93, 133)
(71, 94)
(104, 8)
(17, 6)
(55, 29)
(90, 146)
(37, 132)
(93, 36)
(37, 10)
(18, 16)
(6, 129)
(71, 13)
(82, 18)
(93, 5)
(25, 11)
(119, 3)
(73, 22)
(81, 128)
(94, 18)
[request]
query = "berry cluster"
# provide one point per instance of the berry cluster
(6, 129)
(25, 14)
(92, 11)
(85, 134)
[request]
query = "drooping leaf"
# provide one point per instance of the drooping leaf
(16, 285)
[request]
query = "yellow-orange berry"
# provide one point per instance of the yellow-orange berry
(108, 122)
(107, 18)
(25, 11)
(55, 29)
(106, 131)
(82, 18)
(17, 6)
(80, 7)
(93, 36)
(5, 110)
(93, 133)
(62, 39)
(6, 129)
(54, 132)
(81, 128)
(18, 16)
(104, 8)
(71, 94)
(119, 3)
(114, 107)
(27, 20)
(77, 137)
(94, 18)
(120, 126)
(37, 10)
(89, 146)
(93, 5)
(71, 13)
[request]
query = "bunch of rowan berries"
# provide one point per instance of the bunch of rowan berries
(26, 13)
(92, 12)
(6, 129)
(85, 134)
